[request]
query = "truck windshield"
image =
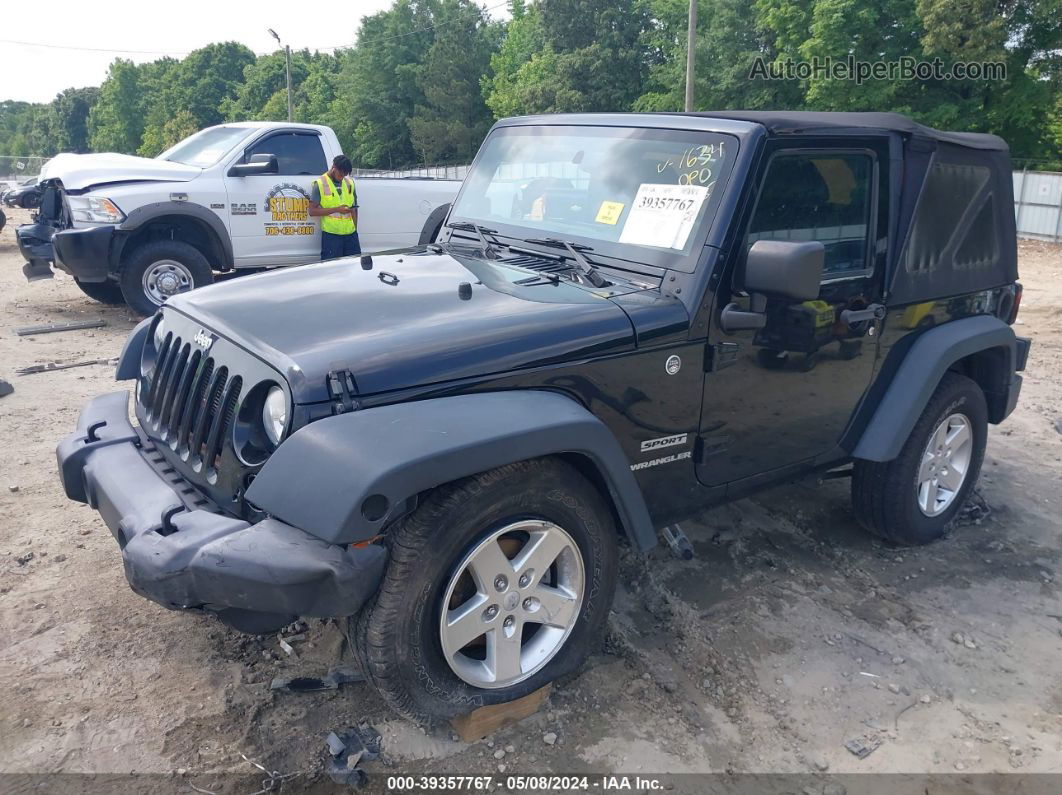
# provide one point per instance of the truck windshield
(638, 194)
(206, 147)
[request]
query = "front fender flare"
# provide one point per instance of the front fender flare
(917, 376)
(327, 477)
(151, 212)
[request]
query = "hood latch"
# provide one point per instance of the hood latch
(342, 388)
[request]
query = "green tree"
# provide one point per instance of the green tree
(453, 118)
(198, 85)
(732, 38)
(378, 90)
(591, 58)
(524, 39)
(116, 123)
(70, 116)
(13, 116)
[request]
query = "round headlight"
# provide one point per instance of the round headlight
(275, 414)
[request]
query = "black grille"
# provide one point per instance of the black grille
(190, 403)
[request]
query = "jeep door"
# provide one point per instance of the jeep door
(778, 398)
(268, 213)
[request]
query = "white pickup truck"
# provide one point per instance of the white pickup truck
(233, 196)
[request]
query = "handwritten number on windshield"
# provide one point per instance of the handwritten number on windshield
(695, 164)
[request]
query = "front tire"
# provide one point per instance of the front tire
(107, 292)
(498, 584)
(914, 498)
(157, 271)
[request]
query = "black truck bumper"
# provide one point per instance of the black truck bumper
(35, 245)
(83, 253)
(181, 551)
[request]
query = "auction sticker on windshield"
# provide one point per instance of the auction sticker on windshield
(609, 212)
(663, 215)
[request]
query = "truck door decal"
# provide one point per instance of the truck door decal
(288, 207)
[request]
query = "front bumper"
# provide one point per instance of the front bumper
(83, 253)
(181, 551)
(35, 245)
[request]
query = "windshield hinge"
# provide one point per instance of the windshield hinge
(720, 355)
(341, 388)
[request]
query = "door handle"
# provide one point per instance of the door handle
(852, 316)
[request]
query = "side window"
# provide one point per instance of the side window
(824, 197)
(296, 153)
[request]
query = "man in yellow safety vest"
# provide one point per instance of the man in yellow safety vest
(334, 198)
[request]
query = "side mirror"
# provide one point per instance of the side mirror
(257, 165)
(785, 269)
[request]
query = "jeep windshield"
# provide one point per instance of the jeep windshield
(206, 147)
(641, 195)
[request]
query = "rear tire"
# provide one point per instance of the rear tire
(156, 271)
(420, 662)
(914, 498)
(107, 292)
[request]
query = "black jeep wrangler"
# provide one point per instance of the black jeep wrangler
(630, 317)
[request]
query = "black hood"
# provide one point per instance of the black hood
(407, 321)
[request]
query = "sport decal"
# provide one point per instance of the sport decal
(666, 441)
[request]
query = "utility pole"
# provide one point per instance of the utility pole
(287, 70)
(691, 44)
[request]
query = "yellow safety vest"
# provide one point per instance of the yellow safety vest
(346, 197)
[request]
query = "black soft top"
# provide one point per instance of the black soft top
(789, 122)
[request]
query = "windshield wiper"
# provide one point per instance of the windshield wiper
(584, 266)
(481, 232)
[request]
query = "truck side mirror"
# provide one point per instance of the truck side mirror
(258, 164)
(785, 269)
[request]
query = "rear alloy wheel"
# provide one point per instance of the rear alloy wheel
(914, 498)
(498, 584)
(155, 272)
(945, 464)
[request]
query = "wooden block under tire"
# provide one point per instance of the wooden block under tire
(481, 722)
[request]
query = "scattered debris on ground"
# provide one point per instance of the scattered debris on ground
(308, 684)
(52, 328)
(347, 750)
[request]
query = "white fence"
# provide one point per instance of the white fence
(433, 172)
(18, 168)
(1038, 204)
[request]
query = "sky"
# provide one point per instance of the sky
(151, 29)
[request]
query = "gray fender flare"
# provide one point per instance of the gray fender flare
(149, 212)
(128, 366)
(331, 477)
(917, 377)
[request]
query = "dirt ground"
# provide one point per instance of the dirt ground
(791, 633)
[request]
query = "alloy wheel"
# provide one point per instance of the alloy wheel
(511, 604)
(945, 462)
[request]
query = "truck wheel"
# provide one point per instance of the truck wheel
(156, 271)
(915, 497)
(498, 583)
(107, 292)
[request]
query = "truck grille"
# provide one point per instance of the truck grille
(190, 402)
